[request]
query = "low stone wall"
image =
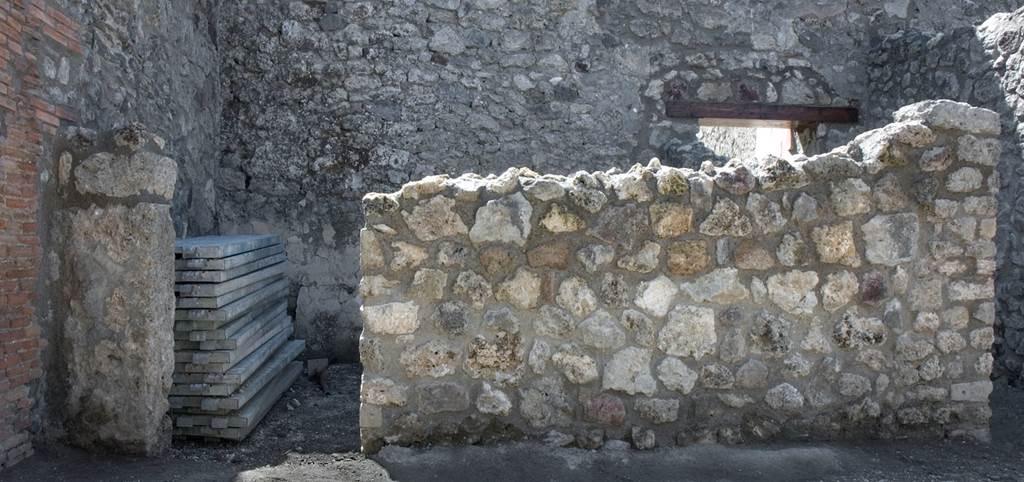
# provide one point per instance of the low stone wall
(843, 295)
(115, 306)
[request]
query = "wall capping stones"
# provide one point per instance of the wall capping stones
(764, 299)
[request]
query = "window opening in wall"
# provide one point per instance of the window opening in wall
(754, 130)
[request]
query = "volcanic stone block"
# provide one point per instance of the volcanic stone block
(118, 340)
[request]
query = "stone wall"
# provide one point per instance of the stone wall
(327, 100)
(115, 295)
(842, 295)
(1001, 38)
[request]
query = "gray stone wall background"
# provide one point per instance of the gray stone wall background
(325, 101)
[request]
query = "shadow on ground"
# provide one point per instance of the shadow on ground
(317, 440)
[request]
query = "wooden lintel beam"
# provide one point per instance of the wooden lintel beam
(799, 113)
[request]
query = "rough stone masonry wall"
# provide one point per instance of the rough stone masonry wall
(846, 294)
(327, 100)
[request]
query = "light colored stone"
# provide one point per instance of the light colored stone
(838, 289)
(473, 288)
(792, 250)
(601, 331)
(793, 291)
(853, 331)
(656, 296)
(721, 286)
(910, 348)
(121, 176)
(434, 219)
(575, 296)
(889, 195)
(632, 185)
(521, 291)
(539, 356)
(935, 159)
(578, 367)
(434, 358)
(950, 341)
(595, 256)
(406, 256)
(766, 214)
(553, 323)
(671, 219)
(851, 197)
(371, 251)
(968, 291)
(688, 257)
(835, 244)
(503, 220)
(689, 332)
(561, 220)
(391, 318)
(493, 401)
(753, 374)
(429, 284)
(971, 392)
(891, 239)
(382, 391)
(816, 341)
(676, 376)
(784, 397)
(629, 371)
(657, 410)
(371, 286)
(982, 338)
(978, 151)
(543, 189)
(948, 114)
(805, 209)
(965, 179)
(750, 255)
(852, 385)
(672, 182)
(544, 403)
(643, 261)
(726, 219)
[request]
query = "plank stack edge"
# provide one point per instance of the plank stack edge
(232, 352)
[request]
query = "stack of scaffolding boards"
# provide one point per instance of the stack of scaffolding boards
(232, 355)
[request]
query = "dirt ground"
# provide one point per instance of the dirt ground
(312, 436)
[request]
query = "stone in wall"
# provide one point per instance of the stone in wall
(551, 319)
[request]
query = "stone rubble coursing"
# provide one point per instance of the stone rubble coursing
(821, 292)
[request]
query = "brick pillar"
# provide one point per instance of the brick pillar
(26, 122)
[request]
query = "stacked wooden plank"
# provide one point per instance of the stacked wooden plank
(233, 358)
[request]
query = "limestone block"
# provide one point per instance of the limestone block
(118, 338)
(125, 175)
(503, 220)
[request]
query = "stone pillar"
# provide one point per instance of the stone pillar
(116, 296)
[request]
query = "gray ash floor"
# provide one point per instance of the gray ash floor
(311, 436)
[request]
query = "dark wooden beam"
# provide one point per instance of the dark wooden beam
(679, 109)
